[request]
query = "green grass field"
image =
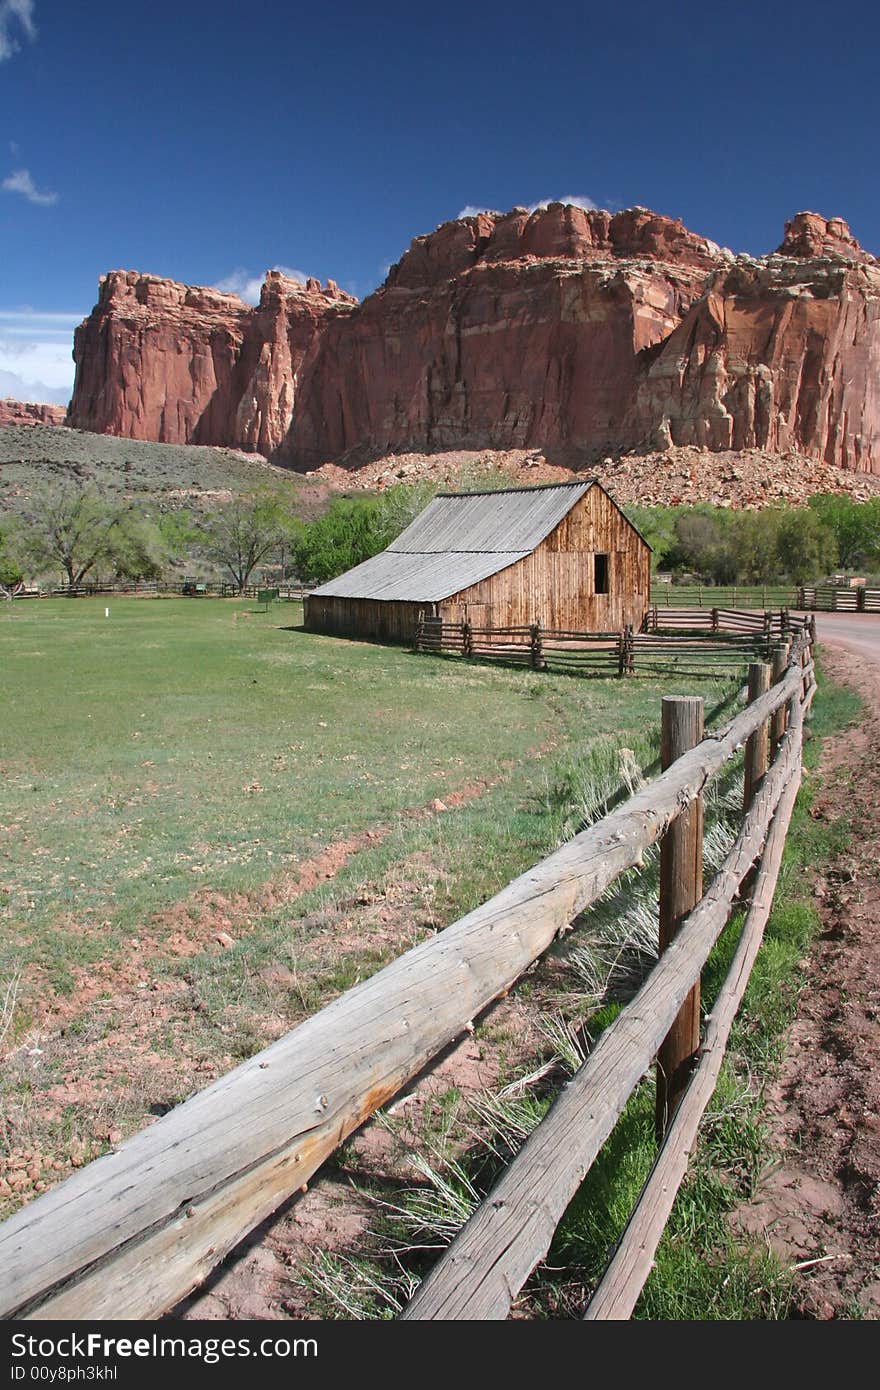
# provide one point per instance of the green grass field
(214, 822)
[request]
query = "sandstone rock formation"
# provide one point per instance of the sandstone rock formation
(508, 331)
(30, 413)
(779, 353)
(181, 364)
(562, 329)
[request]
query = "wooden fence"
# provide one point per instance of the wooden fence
(734, 596)
(833, 598)
(179, 587)
(687, 641)
(133, 1232)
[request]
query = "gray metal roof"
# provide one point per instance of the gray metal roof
(398, 575)
(513, 519)
(459, 539)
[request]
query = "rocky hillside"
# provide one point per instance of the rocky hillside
(162, 477)
(738, 478)
(578, 333)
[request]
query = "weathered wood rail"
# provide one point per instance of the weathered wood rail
(834, 598)
(135, 1231)
(690, 642)
(488, 1263)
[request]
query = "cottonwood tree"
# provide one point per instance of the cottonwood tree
(242, 533)
(11, 572)
(79, 531)
(353, 529)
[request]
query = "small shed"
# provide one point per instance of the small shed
(562, 555)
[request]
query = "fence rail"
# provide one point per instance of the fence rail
(734, 596)
(135, 1231)
(687, 641)
(182, 588)
(833, 598)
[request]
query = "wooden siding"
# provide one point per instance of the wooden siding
(555, 584)
(362, 617)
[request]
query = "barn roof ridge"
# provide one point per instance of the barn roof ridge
(525, 487)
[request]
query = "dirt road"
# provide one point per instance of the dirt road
(859, 633)
(820, 1209)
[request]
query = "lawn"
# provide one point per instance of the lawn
(213, 822)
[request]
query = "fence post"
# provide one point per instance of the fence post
(537, 651)
(758, 743)
(681, 887)
(467, 641)
(784, 622)
(779, 720)
(714, 619)
(621, 651)
(860, 599)
(420, 633)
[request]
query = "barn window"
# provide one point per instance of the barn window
(600, 574)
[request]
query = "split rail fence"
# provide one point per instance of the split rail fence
(182, 588)
(136, 1230)
(833, 598)
(691, 642)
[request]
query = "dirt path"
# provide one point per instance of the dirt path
(820, 1210)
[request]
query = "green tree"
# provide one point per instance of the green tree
(11, 572)
(243, 532)
(856, 527)
(353, 529)
(753, 545)
(806, 546)
(80, 531)
(180, 533)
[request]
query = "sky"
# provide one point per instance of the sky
(209, 141)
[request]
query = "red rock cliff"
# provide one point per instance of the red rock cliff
(506, 331)
(558, 328)
(182, 364)
(30, 413)
(780, 353)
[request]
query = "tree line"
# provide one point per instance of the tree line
(798, 545)
(86, 535)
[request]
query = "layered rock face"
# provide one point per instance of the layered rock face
(780, 353)
(30, 413)
(561, 329)
(180, 364)
(507, 331)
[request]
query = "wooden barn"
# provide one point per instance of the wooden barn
(563, 555)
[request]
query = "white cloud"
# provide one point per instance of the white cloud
(35, 355)
(575, 200)
(21, 182)
(248, 286)
(16, 21)
(22, 389)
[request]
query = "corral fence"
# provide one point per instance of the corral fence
(183, 588)
(132, 1233)
(687, 642)
(833, 598)
(733, 596)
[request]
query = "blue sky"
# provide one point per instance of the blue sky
(209, 141)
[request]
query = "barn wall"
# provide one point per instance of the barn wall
(554, 585)
(361, 617)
